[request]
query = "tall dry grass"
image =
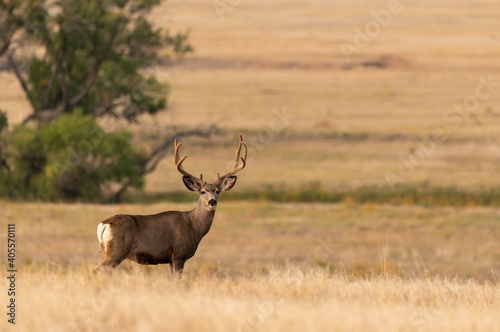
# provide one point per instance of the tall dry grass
(287, 298)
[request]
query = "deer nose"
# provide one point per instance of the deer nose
(212, 202)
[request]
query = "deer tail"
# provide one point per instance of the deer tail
(101, 228)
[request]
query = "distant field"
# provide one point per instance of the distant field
(411, 240)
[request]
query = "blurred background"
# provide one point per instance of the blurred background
(372, 128)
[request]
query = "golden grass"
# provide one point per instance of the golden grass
(361, 239)
(290, 298)
(265, 267)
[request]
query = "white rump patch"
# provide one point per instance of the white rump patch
(104, 234)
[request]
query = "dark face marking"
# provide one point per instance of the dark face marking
(210, 194)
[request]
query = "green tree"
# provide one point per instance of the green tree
(78, 61)
(71, 157)
(93, 53)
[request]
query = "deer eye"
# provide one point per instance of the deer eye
(217, 192)
(203, 192)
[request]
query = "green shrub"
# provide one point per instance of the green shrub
(69, 158)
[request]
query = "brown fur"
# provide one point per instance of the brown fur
(170, 237)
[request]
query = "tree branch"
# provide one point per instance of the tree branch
(8, 29)
(17, 72)
(3, 161)
(62, 77)
(88, 86)
(160, 152)
(97, 66)
(5, 46)
(47, 115)
(51, 114)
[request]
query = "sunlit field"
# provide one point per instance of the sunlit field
(267, 267)
(285, 298)
(370, 201)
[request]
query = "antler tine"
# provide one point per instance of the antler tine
(237, 166)
(178, 163)
(237, 148)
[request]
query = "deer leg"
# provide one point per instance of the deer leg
(106, 265)
(178, 267)
(112, 257)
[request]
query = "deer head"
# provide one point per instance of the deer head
(209, 192)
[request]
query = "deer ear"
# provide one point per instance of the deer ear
(228, 183)
(191, 183)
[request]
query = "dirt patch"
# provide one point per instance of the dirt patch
(382, 62)
(197, 63)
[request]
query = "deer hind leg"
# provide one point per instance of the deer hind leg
(112, 258)
(178, 267)
(116, 249)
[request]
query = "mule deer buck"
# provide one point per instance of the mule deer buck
(170, 237)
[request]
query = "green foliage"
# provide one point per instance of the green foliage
(179, 44)
(93, 56)
(3, 121)
(10, 22)
(77, 61)
(71, 157)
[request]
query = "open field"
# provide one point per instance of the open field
(266, 267)
(275, 72)
(412, 241)
(281, 299)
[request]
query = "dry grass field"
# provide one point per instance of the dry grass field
(281, 299)
(412, 101)
(266, 267)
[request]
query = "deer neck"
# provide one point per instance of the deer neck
(201, 218)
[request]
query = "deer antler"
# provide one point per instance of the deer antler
(178, 163)
(236, 168)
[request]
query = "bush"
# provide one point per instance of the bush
(69, 158)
